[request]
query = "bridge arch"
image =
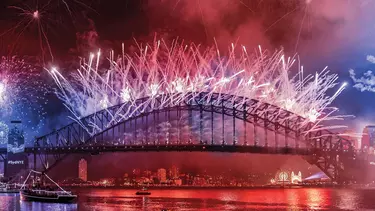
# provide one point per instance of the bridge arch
(86, 133)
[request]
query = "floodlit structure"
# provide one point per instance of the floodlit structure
(287, 177)
(296, 178)
(82, 170)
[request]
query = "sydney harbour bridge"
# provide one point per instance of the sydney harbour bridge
(202, 123)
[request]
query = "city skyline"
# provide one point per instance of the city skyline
(173, 172)
(173, 177)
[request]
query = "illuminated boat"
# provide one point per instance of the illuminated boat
(36, 193)
(47, 196)
(143, 191)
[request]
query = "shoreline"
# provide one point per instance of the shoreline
(200, 187)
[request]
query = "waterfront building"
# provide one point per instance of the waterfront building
(287, 177)
(147, 173)
(199, 181)
(174, 172)
(296, 178)
(178, 182)
(107, 181)
(162, 175)
(136, 172)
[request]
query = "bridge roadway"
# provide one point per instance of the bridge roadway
(176, 148)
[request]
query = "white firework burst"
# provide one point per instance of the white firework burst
(160, 68)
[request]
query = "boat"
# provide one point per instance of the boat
(38, 193)
(47, 196)
(9, 188)
(143, 191)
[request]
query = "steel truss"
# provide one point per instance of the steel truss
(98, 132)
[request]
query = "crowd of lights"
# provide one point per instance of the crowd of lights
(181, 69)
(23, 94)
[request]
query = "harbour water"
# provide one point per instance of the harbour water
(206, 199)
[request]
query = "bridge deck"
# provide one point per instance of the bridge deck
(170, 147)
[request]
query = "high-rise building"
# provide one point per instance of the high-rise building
(82, 169)
(136, 172)
(162, 175)
(174, 172)
(147, 173)
(368, 136)
(17, 159)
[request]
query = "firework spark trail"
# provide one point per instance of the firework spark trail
(23, 94)
(174, 72)
(42, 17)
(30, 17)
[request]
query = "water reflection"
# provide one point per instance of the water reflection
(347, 199)
(317, 198)
(9, 200)
(201, 199)
(293, 199)
(26, 205)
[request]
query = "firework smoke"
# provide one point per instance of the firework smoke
(179, 70)
(367, 81)
(294, 24)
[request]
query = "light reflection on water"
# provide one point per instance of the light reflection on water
(205, 199)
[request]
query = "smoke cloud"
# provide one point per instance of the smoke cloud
(305, 26)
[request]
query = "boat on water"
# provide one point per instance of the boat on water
(40, 193)
(143, 191)
(47, 196)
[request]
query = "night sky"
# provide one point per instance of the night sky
(334, 33)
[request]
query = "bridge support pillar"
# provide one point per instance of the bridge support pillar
(212, 124)
(200, 124)
(244, 125)
(34, 166)
(223, 122)
(234, 126)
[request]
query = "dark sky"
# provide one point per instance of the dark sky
(337, 33)
(334, 33)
